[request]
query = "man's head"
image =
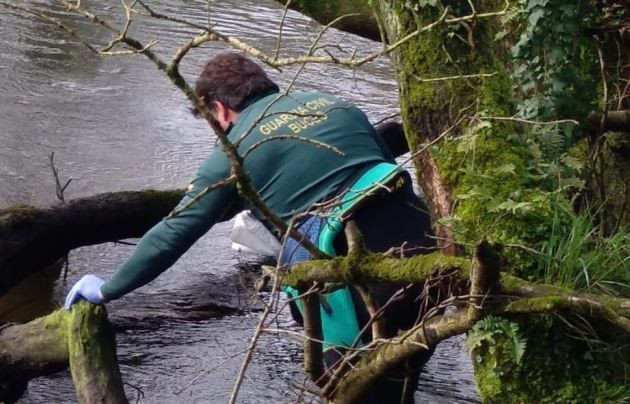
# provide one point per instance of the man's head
(232, 80)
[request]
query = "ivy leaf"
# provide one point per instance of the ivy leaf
(514, 207)
(473, 193)
(536, 3)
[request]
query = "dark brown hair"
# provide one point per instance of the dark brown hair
(234, 80)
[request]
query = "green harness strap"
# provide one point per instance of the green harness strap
(339, 324)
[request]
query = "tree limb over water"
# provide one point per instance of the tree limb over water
(33, 238)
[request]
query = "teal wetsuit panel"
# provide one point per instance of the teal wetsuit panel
(340, 326)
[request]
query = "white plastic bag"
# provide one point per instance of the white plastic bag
(249, 235)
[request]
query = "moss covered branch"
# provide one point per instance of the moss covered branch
(82, 339)
(374, 268)
(380, 361)
(53, 231)
(370, 267)
(477, 289)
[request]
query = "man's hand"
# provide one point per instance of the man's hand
(88, 288)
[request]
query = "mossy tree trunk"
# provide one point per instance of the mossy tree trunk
(430, 108)
(452, 169)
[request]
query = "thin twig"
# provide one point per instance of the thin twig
(59, 24)
(228, 181)
(387, 118)
(448, 78)
(261, 324)
(207, 371)
(293, 137)
(527, 121)
(280, 27)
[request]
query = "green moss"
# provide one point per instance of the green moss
(20, 209)
(85, 330)
(487, 164)
(59, 320)
(369, 267)
(421, 266)
(502, 190)
(497, 196)
(554, 368)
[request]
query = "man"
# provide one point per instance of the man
(356, 174)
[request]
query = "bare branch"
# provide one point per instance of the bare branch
(59, 24)
(159, 16)
(280, 27)
(387, 356)
(78, 8)
(527, 121)
(230, 180)
(261, 323)
(313, 354)
(448, 78)
(377, 320)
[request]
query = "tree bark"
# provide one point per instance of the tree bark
(616, 121)
(81, 338)
(33, 238)
(92, 353)
(324, 12)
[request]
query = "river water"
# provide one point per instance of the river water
(116, 123)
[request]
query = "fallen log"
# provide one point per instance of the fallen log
(82, 339)
(34, 238)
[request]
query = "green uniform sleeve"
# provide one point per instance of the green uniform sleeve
(161, 246)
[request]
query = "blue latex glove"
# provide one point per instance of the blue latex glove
(88, 288)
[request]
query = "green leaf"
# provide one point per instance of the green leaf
(473, 193)
(514, 207)
(507, 168)
(573, 163)
(572, 182)
(536, 3)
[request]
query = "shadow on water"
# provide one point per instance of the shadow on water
(117, 124)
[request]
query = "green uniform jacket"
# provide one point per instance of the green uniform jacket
(289, 172)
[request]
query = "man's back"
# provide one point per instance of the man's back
(312, 144)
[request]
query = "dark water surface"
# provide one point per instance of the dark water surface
(116, 123)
